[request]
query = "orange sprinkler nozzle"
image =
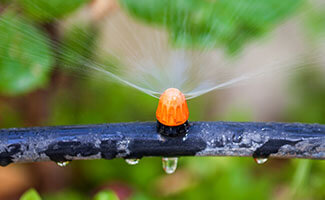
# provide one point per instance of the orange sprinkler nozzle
(172, 108)
(172, 113)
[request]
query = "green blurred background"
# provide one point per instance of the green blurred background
(36, 91)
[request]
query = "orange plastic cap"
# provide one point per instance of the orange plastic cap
(172, 108)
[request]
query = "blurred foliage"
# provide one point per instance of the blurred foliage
(25, 61)
(66, 194)
(48, 10)
(309, 92)
(25, 65)
(300, 177)
(202, 23)
(12, 118)
(4, 2)
(113, 102)
(106, 195)
(315, 20)
(28, 54)
(30, 195)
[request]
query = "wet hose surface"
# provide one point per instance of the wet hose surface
(140, 139)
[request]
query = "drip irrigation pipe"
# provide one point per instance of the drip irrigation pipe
(140, 139)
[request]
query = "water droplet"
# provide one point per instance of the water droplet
(169, 164)
(63, 164)
(260, 160)
(132, 161)
(185, 137)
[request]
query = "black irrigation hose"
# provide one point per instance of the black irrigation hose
(139, 139)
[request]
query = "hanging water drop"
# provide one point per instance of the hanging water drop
(260, 160)
(132, 161)
(169, 164)
(63, 163)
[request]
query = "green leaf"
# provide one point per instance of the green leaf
(47, 10)
(31, 194)
(202, 23)
(25, 55)
(106, 195)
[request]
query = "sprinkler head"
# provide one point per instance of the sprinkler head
(172, 113)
